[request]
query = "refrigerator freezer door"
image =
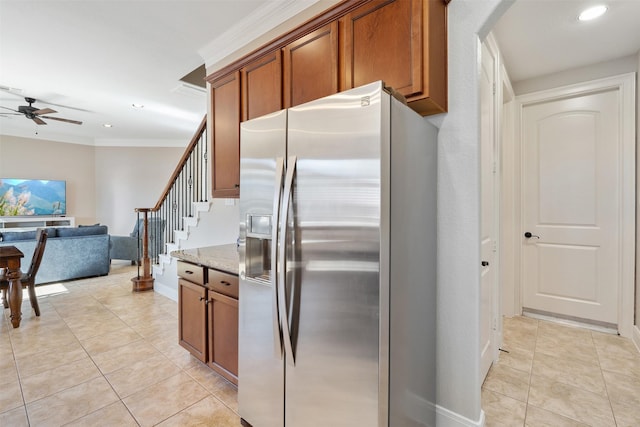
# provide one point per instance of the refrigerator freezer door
(261, 365)
(333, 260)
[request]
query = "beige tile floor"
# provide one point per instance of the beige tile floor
(101, 356)
(556, 375)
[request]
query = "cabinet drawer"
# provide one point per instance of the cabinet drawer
(224, 283)
(191, 272)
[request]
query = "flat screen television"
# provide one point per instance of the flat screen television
(26, 197)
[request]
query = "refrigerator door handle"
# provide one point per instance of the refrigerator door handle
(282, 274)
(277, 198)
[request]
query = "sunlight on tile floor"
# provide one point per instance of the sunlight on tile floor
(99, 355)
(556, 375)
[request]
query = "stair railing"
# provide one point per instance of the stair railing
(156, 225)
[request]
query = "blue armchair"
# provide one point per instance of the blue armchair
(126, 247)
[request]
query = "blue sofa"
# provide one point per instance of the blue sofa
(70, 253)
(127, 247)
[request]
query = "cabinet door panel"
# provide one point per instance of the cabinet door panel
(262, 86)
(225, 111)
(192, 315)
(223, 335)
(383, 41)
(311, 66)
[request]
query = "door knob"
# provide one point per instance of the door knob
(528, 235)
(485, 263)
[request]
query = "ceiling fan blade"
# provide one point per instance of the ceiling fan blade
(44, 111)
(38, 121)
(7, 108)
(75, 122)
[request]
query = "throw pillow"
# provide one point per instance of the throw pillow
(82, 231)
(14, 236)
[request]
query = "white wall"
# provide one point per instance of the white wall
(458, 378)
(587, 73)
(130, 177)
(219, 226)
(104, 184)
(42, 159)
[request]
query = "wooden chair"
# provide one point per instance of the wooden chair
(28, 279)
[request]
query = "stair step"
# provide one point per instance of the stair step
(190, 221)
(172, 247)
(202, 206)
(164, 258)
(158, 269)
(180, 234)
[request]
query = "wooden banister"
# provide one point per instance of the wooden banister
(181, 163)
(179, 189)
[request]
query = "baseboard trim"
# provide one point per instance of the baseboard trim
(167, 291)
(447, 418)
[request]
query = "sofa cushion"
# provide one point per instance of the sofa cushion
(82, 231)
(14, 236)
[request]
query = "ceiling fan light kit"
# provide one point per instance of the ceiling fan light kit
(37, 114)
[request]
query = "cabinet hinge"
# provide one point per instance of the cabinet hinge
(494, 88)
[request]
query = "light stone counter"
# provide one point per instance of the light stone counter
(222, 257)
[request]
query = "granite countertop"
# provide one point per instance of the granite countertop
(221, 257)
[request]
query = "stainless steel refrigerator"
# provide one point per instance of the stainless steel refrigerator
(338, 264)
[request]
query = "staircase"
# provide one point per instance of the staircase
(168, 223)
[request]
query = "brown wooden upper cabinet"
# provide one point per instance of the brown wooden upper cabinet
(311, 66)
(262, 86)
(403, 43)
(225, 116)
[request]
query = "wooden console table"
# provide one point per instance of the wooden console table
(10, 260)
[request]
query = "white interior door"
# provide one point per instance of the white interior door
(487, 213)
(571, 205)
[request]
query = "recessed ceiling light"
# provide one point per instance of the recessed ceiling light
(137, 105)
(108, 125)
(592, 13)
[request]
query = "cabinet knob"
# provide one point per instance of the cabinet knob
(225, 283)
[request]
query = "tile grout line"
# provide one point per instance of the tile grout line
(606, 388)
(533, 358)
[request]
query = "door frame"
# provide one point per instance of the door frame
(496, 312)
(625, 85)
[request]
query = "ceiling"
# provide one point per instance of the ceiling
(540, 37)
(91, 60)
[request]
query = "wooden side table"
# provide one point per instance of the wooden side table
(10, 260)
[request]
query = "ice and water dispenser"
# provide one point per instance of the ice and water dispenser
(258, 247)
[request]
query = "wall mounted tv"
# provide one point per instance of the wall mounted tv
(26, 197)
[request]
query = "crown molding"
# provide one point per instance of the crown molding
(262, 20)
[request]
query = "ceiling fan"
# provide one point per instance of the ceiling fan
(37, 114)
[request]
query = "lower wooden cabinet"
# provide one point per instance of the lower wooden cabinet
(192, 315)
(223, 335)
(208, 317)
